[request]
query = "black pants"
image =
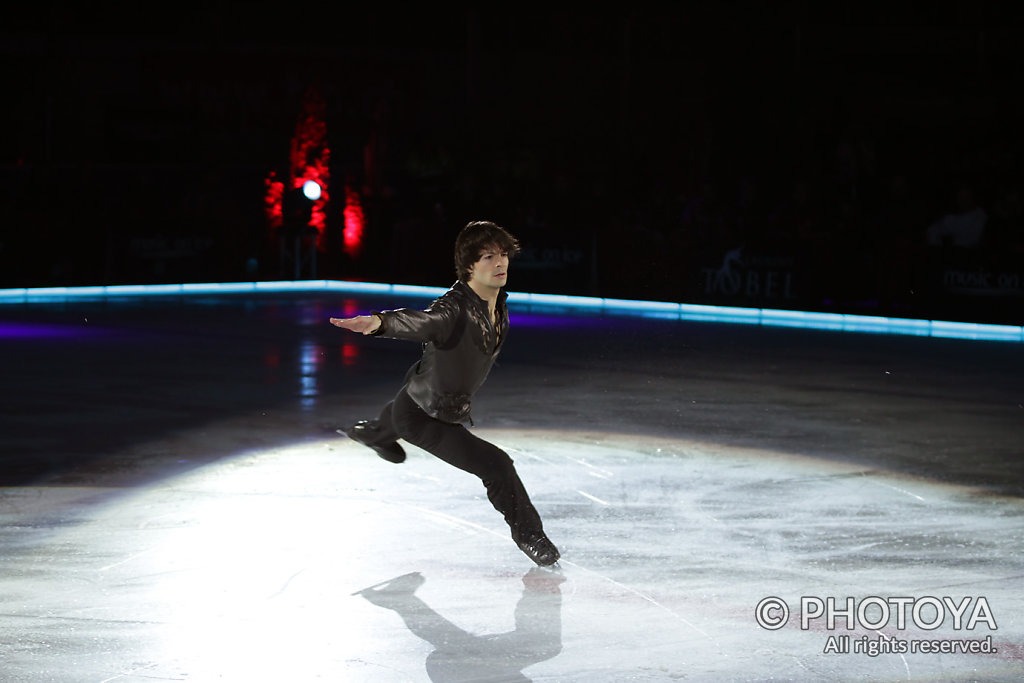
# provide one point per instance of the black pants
(456, 445)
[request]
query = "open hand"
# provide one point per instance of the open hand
(363, 324)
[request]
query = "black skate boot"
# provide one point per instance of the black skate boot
(367, 432)
(538, 548)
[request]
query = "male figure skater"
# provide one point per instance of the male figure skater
(461, 332)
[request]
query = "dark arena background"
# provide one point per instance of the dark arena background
(764, 378)
(842, 156)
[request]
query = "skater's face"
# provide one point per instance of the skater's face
(491, 269)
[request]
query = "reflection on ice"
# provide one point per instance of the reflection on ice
(459, 655)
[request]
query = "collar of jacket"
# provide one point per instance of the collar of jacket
(475, 299)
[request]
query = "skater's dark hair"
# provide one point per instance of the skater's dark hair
(476, 237)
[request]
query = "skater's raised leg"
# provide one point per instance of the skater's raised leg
(379, 435)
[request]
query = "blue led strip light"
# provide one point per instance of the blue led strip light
(652, 309)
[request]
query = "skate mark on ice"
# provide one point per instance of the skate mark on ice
(452, 520)
(126, 560)
(906, 665)
(639, 594)
(132, 673)
(898, 490)
(592, 470)
(974, 583)
(593, 498)
(285, 585)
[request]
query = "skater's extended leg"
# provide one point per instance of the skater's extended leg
(457, 446)
(379, 435)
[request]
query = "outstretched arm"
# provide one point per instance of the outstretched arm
(363, 324)
(432, 325)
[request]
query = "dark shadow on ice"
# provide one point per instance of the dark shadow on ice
(462, 656)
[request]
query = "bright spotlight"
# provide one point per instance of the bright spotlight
(311, 189)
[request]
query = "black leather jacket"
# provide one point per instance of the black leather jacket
(460, 344)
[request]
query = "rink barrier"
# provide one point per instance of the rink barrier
(842, 322)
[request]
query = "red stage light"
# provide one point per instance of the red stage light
(355, 221)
